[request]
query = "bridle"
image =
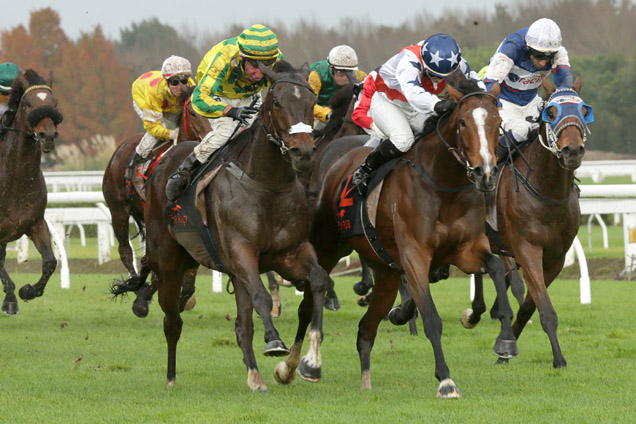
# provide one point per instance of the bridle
(276, 138)
(460, 152)
(39, 112)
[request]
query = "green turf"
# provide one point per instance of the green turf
(75, 356)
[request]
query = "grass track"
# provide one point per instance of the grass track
(74, 356)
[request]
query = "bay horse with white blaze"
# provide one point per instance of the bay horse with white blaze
(23, 201)
(430, 213)
(257, 218)
(537, 207)
(123, 202)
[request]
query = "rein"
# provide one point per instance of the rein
(187, 120)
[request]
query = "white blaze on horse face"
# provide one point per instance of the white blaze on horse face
(297, 93)
(42, 96)
(479, 116)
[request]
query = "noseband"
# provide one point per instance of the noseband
(568, 105)
(460, 152)
(296, 128)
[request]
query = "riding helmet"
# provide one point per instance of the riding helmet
(440, 55)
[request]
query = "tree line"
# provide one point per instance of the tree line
(93, 74)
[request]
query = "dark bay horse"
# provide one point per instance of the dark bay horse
(537, 207)
(124, 202)
(23, 201)
(430, 212)
(257, 218)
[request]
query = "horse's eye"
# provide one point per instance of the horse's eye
(276, 103)
(462, 123)
(551, 115)
(585, 111)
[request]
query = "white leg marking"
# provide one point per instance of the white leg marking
(313, 356)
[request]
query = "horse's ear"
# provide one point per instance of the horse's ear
(269, 73)
(305, 70)
(49, 81)
(495, 89)
(548, 88)
(578, 84)
(454, 93)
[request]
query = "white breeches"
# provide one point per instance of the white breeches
(513, 117)
(148, 141)
(396, 122)
(222, 129)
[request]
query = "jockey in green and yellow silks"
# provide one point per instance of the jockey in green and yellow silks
(229, 78)
(327, 76)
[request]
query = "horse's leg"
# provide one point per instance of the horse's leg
(41, 238)
(514, 281)
(120, 222)
(471, 316)
(10, 303)
(144, 294)
(332, 302)
(244, 328)
(405, 296)
(285, 371)
(537, 281)
(506, 343)
(273, 290)
(407, 310)
(169, 289)
(385, 290)
(187, 299)
(363, 286)
(305, 268)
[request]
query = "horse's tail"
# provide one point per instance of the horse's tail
(121, 286)
(139, 220)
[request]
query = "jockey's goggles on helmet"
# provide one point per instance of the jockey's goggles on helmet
(541, 55)
(267, 62)
(174, 81)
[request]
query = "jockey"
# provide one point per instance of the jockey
(407, 87)
(8, 72)
(155, 99)
(360, 115)
(230, 83)
(523, 60)
(327, 76)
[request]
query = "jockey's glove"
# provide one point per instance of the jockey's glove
(242, 114)
(444, 106)
(174, 134)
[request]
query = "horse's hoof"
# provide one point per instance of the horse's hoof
(332, 304)
(276, 348)
(448, 390)
(28, 292)
(506, 349)
(363, 301)
(360, 288)
(283, 374)
(140, 308)
(394, 317)
(188, 304)
(466, 319)
(10, 308)
(276, 309)
(309, 373)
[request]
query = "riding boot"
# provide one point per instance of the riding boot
(133, 165)
(181, 179)
(380, 155)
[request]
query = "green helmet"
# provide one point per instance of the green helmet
(8, 72)
(258, 42)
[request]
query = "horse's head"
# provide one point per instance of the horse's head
(477, 125)
(565, 118)
(37, 112)
(288, 113)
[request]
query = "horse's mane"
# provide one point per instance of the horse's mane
(464, 85)
(283, 66)
(339, 104)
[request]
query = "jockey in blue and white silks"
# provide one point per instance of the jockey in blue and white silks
(523, 60)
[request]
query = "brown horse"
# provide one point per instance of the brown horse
(430, 213)
(257, 219)
(23, 201)
(124, 202)
(537, 207)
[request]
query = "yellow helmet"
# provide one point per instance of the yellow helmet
(258, 42)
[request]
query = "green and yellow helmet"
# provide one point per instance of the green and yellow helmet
(8, 72)
(258, 42)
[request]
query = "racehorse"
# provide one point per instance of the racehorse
(537, 207)
(32, 132)
(257, 218)
(123, 202)
(430, 212)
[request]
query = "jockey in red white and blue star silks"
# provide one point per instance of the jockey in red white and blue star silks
(523, 60)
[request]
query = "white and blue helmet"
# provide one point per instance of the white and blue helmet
(441, 55)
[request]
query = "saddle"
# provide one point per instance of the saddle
(136, 183)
